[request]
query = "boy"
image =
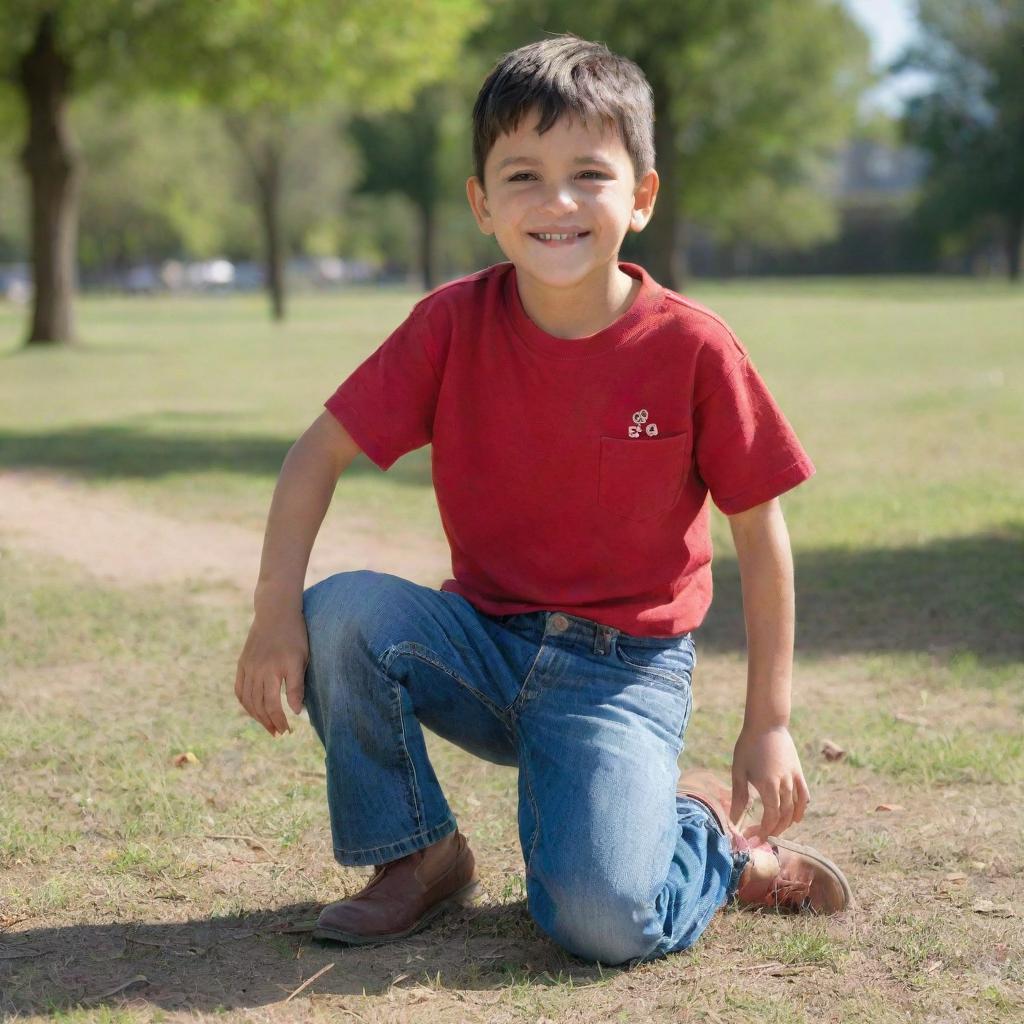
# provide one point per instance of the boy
(579, 414)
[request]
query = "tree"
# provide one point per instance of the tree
(750, 97)
(258, 62)
(400, 154)
(370, 55)
(49, 51)
(972, 120)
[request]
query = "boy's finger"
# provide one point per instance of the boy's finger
(770, 815)
(785, 818)
(740, 800)
(272, 704)
(294, 686)
(803, 798)
(254, 704)
(294, 690)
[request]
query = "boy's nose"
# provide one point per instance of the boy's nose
(560, 198)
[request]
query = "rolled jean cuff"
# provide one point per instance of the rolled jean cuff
(393, 851)
(740, 859)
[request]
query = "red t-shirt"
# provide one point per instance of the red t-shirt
(573, 474)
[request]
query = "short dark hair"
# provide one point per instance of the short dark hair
(566, 75)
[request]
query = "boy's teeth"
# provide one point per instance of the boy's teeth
(555, 238)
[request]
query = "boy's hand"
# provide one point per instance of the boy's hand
(276, 649)
(767, 758)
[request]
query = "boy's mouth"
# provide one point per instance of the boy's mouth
(558, 238)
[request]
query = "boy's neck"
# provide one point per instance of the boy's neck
(580, 311)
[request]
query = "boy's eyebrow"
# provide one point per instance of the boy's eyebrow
(589, 159)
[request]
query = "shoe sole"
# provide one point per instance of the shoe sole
(462, 898)
(820, 858)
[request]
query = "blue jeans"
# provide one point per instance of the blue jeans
(618, 868)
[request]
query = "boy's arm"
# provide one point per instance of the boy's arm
(765, 755)
(277, 647)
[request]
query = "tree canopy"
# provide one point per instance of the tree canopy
(972, 119)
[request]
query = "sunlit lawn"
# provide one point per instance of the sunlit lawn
(909, 547)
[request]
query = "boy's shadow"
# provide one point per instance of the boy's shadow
(249, 960)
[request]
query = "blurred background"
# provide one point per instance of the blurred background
(288, 145)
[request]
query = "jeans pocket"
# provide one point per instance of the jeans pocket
(672, 663)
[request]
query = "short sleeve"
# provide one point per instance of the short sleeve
(745, 449)
(387, 403)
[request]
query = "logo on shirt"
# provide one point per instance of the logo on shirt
(640, 417)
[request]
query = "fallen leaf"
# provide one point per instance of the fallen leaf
(889, 807)
(955, 876)
(180, 760)
(986, 906)
(832, 751)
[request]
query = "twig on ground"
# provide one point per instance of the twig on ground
(308, 982)
(138, 979)
(250, 841)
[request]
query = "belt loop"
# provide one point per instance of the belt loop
(602, 640)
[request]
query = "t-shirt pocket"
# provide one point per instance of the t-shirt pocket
(642, 478)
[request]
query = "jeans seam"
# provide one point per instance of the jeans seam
(396, 700)
(524, 767)
(413, 650)
(520, 698)
(677, 679)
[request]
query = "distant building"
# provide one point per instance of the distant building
(874, 186)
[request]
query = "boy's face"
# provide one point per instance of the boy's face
(571, 180)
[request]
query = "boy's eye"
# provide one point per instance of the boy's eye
(523, 175)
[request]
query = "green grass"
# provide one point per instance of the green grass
(908, 394)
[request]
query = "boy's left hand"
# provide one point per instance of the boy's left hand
(767, 759)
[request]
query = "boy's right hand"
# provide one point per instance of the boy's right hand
(276, 649)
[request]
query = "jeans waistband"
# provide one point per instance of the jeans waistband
(586, 631)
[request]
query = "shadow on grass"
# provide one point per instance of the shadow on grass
(116, 452)
(243, 961)
(951, 596)
(948, 596)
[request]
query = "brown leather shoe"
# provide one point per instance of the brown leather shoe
(782, 874)
(805, 880)
(404, 895)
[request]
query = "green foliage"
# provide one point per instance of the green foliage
(280, 54)
(972, 121)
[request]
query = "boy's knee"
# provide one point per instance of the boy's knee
(341, 603)
(606, 927)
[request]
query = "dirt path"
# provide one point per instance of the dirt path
(125, 545)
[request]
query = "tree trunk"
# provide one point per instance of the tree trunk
(268, 182)
(427, 248)
(52, 166)
(1014, 239)
(661, 245)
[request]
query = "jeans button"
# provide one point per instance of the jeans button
(559, 623)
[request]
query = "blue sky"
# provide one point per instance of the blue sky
(890, 25)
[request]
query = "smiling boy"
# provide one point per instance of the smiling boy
(580, 417)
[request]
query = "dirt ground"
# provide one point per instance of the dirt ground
(900, 960)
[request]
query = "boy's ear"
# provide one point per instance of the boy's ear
(644, 196)
(478, 204)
